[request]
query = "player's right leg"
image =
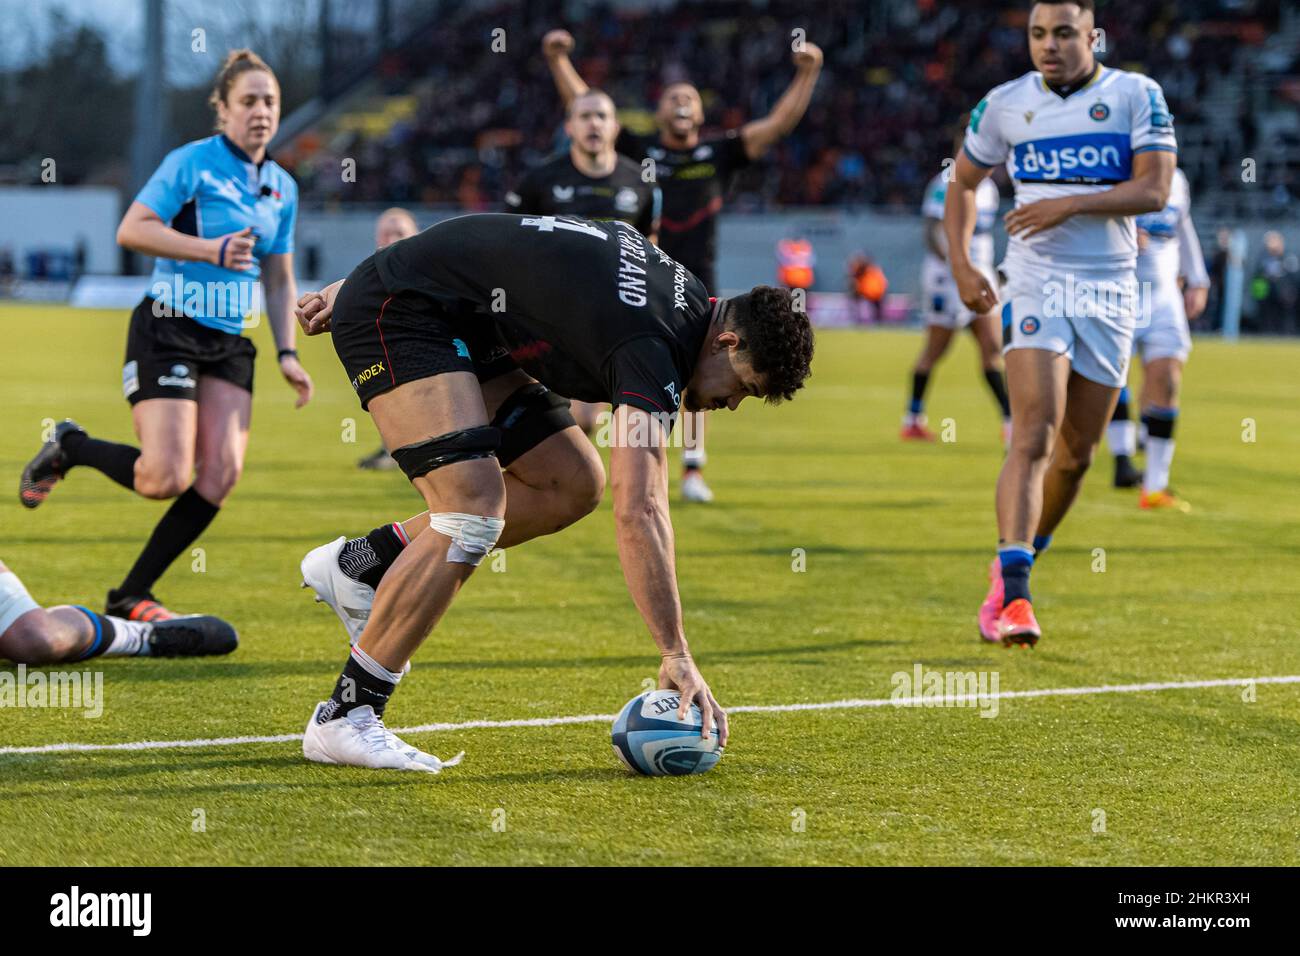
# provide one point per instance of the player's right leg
(938, 336)
(30, 634)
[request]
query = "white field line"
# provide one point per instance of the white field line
(850, 704)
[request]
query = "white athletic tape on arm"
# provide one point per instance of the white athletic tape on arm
(14, 600)
(472, 536)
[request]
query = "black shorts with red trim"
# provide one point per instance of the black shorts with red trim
(388, 339)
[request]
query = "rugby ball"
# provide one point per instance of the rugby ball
(650, 740)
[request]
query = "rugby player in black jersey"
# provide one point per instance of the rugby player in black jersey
(457, 341)
(694, 173)
(591, 181)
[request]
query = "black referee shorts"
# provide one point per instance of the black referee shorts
(166, 355)
(388, 339)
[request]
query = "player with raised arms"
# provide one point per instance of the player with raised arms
(1168, 250)
(1088, 149)
(454, 340)
(942, 308)
(694, 172)
(590, 181)
(218, 214)
(31, 634)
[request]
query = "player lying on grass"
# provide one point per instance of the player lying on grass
(458, 341)
(30, 634)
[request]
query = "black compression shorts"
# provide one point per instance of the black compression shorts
(385, 339)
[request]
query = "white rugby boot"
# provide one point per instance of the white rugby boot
(360, 739)
(347, 597)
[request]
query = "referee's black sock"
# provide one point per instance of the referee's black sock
(187, 518)
(367, 559)
(114, 460)
(999, 387)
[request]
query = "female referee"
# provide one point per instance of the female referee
(217, 215)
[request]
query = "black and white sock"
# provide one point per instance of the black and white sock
(116, 637)
(363, 681)
(367, 559)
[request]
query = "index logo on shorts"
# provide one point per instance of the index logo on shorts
(74, 908)
(367, 374)
(1087, 158)
(1029, 325)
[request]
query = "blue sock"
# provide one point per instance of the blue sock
(1041, 543)
(1017, 561)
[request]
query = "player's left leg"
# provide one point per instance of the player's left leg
(1121, 437)
(694, 458)
(221, 442)
(985, 330)
(30, 634)
(1161, 383)
(553, 477)
(1088, 407)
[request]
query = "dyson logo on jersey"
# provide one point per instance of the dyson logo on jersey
(1086, 158)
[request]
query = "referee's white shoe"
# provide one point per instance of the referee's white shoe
(360, 739)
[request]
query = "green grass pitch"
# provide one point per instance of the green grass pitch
(896, 540)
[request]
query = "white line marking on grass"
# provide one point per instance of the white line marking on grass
(849, 704)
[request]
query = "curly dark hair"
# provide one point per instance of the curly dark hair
(777, 336)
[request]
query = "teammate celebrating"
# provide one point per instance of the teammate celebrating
(944, 312)
(218, 214)
(1088, 149)
(694, 173)
(392, 224)
(30, 634)
(591, 310)
(591, 181)
(1167, 249)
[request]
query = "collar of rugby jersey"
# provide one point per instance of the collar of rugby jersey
(1067, 90)
(242, 156)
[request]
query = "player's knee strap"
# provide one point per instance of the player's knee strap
(532, 414)
(14, 600)
(472, 536)
(464, 445)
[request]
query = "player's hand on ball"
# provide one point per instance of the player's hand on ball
(974, 289)
(1036, 217)
(234, 250)
(297, 376)
(809, 57)
(678, 672)
(557, 43)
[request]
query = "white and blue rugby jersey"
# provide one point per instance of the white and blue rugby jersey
(210, 188)
(1172, 248)
(1067, 145)
(986, 207)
